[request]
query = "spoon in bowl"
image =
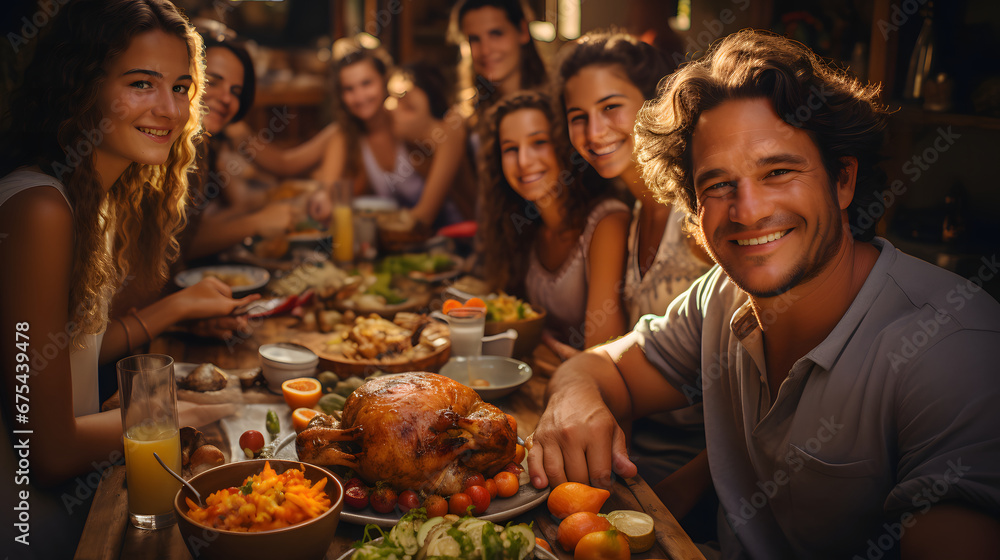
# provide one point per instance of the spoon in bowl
(178, 477)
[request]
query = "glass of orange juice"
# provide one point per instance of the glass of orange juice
(343, 222)
(149, 424)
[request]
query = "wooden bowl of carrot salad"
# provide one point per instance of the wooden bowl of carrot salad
(261, 509)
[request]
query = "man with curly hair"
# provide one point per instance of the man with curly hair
(850, 398)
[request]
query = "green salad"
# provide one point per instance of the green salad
(415, 537)
(427, 263)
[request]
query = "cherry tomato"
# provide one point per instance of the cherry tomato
(436, 506)
(354, 482)
(408, 500)
(480, 499)
(514, 468)
(459, 503)
(252, 442)
(491, 486)
(507, 484)
(474, 479)
(356, 497)
(383, 498)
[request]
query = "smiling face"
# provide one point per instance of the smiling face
(363, 89)
(527, 156)
(144, 102)
(766, 209)
(601, 104)
(495, 43)
(223, 87)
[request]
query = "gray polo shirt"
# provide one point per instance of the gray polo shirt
(898, 409)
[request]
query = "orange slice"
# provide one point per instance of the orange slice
(302, 392)
(449, 305)
(301, 418)
(475, 302)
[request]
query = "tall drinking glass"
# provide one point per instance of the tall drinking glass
(149, 424)
(343, 222)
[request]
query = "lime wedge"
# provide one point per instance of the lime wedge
(637, 528)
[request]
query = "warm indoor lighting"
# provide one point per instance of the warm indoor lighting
(542, 31)
(569, 19)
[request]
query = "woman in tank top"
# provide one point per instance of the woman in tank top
(603, 79)
(93, 190)
(545, 234)
(367, 150)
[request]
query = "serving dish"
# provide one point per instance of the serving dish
(504, 375)
(329, 359)
(308, 540)
(501, 509)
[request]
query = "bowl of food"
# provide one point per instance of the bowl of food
(491, 376)
(283, 361)
(302, 528)
(508, 312)
(243, 280)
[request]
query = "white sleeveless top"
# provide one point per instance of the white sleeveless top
(563, 293)
(403, 184)
(83, 361)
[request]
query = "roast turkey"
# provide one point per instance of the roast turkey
(419, 431)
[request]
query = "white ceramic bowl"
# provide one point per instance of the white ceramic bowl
(283, 361)
(504, 375)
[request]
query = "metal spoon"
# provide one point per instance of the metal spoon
(178, 477)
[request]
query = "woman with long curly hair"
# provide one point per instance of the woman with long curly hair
(367, 150)
(546, 235)
(602, 80)
(92, 197)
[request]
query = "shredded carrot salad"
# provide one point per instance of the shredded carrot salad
(265, 501)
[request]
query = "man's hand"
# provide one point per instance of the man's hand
(577, 437)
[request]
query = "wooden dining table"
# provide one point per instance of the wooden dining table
(108, 534)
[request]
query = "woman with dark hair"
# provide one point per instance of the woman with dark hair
(423, 118)
(498, 55)
(546, 235)
(602, 81)
(224, 210)
(367, 150)
(94, 182)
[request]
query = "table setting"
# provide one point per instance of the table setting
(324, 337)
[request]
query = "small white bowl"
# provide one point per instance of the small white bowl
(504, 375)
(283, 361)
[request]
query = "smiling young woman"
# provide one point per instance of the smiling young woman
(548, 235)
(92, 197)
